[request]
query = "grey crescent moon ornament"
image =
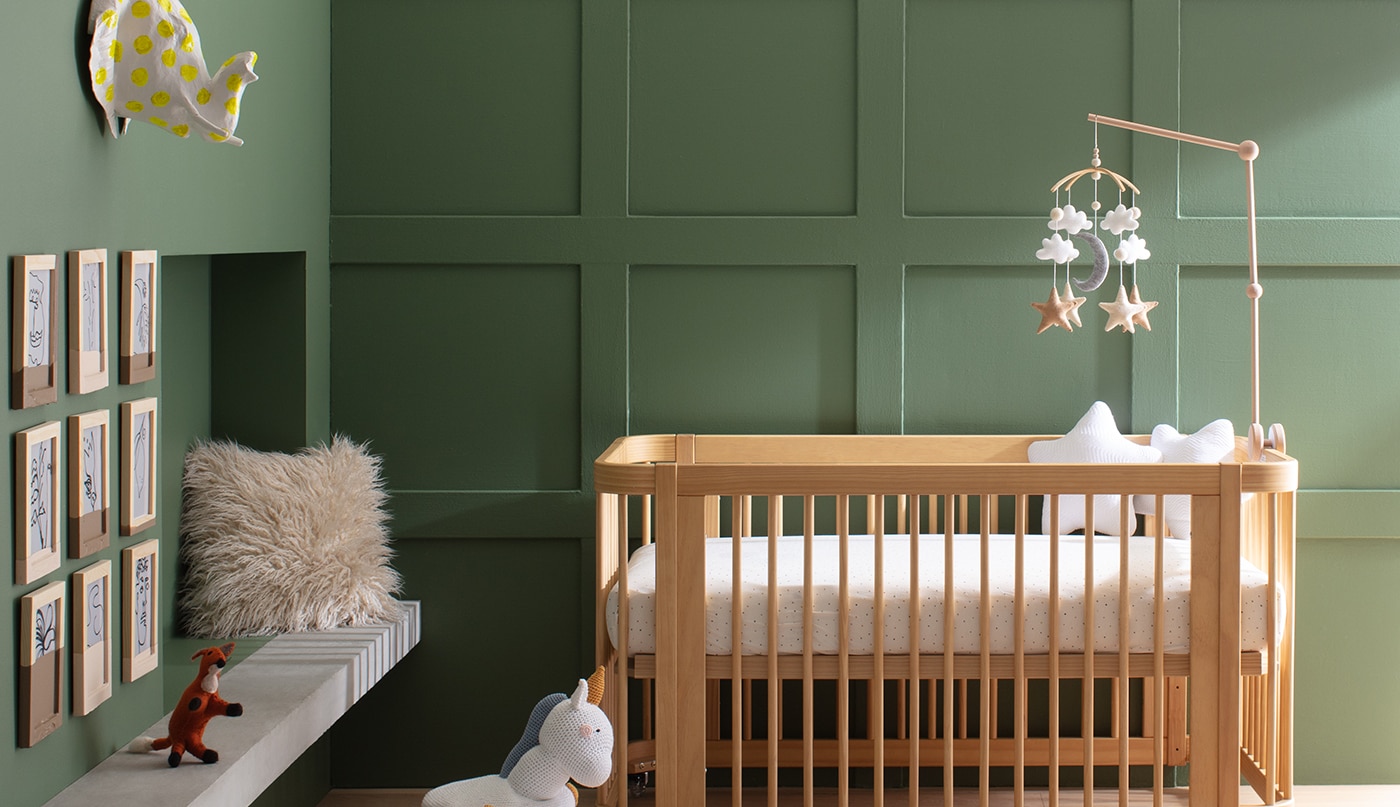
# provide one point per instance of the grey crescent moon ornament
(1100, 262)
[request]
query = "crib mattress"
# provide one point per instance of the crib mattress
(641, 584)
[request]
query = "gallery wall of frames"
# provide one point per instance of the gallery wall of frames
(102, 621)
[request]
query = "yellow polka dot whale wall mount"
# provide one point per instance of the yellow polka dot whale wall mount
(1128, 310)
(146, 64)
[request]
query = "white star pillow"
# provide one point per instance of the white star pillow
(1095, 438)
(1215, 442)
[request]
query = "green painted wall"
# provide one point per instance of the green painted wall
(820, 215)
(67, 185)
(838, 201)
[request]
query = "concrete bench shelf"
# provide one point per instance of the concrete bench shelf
(293, 689)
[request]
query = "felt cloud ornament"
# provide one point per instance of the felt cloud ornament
(1121, 218)
(146, 64)
(1068, 219)
(1132, 249)
(1056, 249)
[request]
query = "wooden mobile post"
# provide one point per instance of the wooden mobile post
(1248, 151)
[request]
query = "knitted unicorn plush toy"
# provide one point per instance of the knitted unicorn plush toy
(566, 738)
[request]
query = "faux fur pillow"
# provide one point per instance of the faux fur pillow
(276, 542)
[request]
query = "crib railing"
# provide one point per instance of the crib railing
(917, 705)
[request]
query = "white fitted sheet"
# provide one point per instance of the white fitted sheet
(641, 583)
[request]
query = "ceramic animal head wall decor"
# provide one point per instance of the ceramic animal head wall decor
(146, 64)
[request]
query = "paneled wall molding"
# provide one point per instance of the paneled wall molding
(1326, 514)
(821, 215)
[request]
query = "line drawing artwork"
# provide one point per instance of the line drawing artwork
(141, 324)
(141, 465)
(96, 608)
(41, 496)
(92, 310)
(92, 470)
(45, 630)
(142, 606)
(37, 354)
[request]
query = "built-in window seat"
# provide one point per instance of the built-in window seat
(292, 689)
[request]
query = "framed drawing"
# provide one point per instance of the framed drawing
(138, 357)
(138, 465)
(34, 357)
(89, 485)
(139, 626)
(87, 320)
(92, 629)
(41, 664)
(36, 502)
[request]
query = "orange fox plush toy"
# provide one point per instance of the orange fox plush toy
(197, 706)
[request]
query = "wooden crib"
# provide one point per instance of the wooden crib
(988, 710)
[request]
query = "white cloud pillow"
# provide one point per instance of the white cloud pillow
(1215, 442)
(1095, 438)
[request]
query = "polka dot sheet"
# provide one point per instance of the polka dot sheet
(967, 550)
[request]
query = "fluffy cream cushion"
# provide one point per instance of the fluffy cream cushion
(276, 542)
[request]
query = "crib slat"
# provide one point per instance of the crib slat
(1159, 628)
(808, 601)
(843, 682)
(877, 685)
(1271, 747)
(774, 694)
(1121, 682)
(949, 620)
(738, 515)
(914, 649)
(984, 695)
(1288, 517)
(606, 561)
(1054, 529)
(1087, 726)
(624, 630)
(962, 708)
(1020, 639)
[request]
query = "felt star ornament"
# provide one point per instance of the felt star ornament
(1122, 311)
(1055, 311)
(1140, 318)
(1074, 302)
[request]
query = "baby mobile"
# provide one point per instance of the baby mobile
(1128, 309)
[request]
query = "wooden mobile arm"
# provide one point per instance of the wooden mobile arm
(1248, 151)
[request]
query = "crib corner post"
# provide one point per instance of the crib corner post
(1215, 643)
(680, 651)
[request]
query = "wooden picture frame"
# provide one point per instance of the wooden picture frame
(89, 483)
(138, 465)
(41, 663)
(87, 321)
(140, 598)
(92, 636)
(37, 501)
(34, 315)
(138, 344)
